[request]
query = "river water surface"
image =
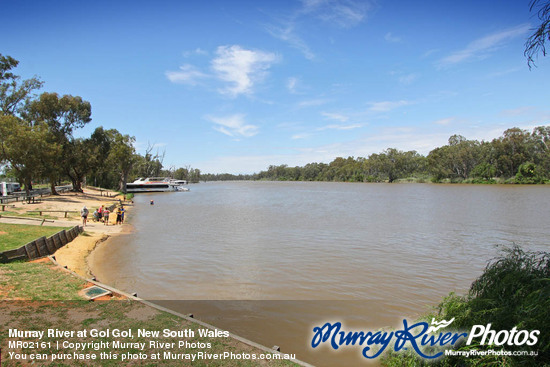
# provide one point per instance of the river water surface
(271, 260)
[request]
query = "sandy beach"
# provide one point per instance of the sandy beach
(74, 255)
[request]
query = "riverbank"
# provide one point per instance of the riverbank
(64, 211)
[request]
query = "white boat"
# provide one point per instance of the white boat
(180, 184)
(152, 184)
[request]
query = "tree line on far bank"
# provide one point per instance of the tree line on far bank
(37, 142)
(518, 156)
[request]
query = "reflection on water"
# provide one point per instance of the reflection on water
(387, 250)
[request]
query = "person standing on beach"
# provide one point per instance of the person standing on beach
(122, 210)
(106, 216)
(84, 214)
(119, 216)
(100, 212)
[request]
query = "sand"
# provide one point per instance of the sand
(74, 255)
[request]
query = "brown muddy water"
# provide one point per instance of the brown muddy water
(271, 260)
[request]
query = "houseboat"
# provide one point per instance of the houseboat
(152, 184)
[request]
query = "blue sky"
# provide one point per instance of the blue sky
(235, 86)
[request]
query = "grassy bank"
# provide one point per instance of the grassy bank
(41, 296)
(13, 236)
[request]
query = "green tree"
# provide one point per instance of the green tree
(393, 164)
(13, 92)
(181, 174)
(122, 156)
(457, 159)
(101, 174)
(194, 175)
(26, 148)
(529, 173)
(79, 160)
(149, 165)
(514, 148)
(62, 116)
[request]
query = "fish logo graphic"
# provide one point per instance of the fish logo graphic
(439, 325)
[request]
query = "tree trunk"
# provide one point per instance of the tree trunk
(123, 181)
(77, 185)
(52, 187)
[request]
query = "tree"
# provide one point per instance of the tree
(393, 164)
(536, 43)
(26, 148)
(62, 116)
(13, 93)
(100, 173)
(78, 161)
(514, 148)
(149, 165)
(122, 156)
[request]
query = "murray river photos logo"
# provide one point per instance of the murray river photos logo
(418, 336)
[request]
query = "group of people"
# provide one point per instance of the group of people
(101, 214)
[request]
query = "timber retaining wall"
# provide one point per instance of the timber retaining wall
(42, 246)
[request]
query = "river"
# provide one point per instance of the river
(271, 260)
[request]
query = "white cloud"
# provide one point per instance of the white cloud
(287, 34)
(445, 121)
(300, 136)
(483, 47)
(386, 106)
(335, 116)
(312, 103)
(234, 126)
(408, 79)
(343, 13)
(241, 68)
(291, 84)
(391, 38)
(340, 127)
(197, 51)
(187, 74)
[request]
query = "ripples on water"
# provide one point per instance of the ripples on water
(388, 249)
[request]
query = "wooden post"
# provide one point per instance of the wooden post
(56, 241)
(27, 252)
(69, 234)
(50, 245)
(63, 236)
(37, 249)
(42, 248)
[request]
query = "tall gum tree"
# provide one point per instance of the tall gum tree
(62, 115)
(20, 143)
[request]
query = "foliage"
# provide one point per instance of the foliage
(529, 173)
(537, 41)
(26, 148)
(13, 93)
(513, 291)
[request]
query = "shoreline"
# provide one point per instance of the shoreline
(64, 210)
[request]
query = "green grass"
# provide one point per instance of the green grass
(36, 281)
(13, 236)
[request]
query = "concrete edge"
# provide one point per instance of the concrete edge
(164, 309)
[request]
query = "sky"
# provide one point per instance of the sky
(236, 86)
